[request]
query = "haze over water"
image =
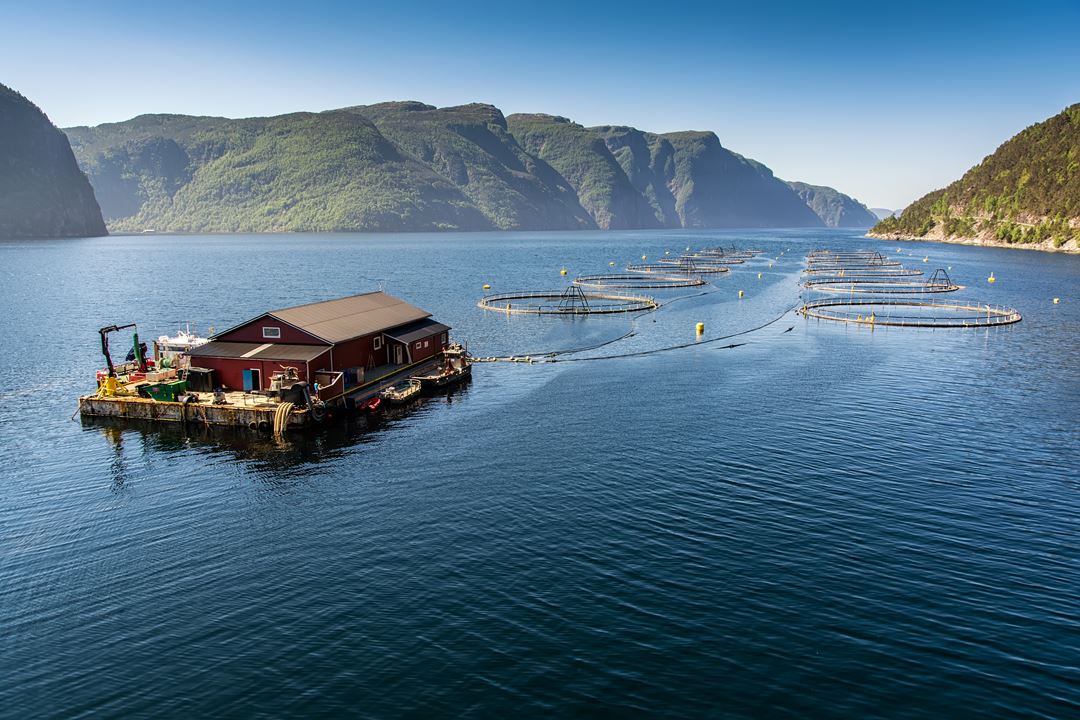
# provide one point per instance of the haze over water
(825, 521)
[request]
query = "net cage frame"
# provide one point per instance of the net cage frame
(866, 272)
(939, 282)
(720, 251)
(570, 301)
(700, 259)
(984, 314)
(673, 269)
(643, 281)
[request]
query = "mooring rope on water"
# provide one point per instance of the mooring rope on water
(681, 346)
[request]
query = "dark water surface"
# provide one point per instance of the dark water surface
(822, 522)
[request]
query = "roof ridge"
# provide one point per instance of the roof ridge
(322, 302)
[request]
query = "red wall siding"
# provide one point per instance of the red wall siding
(229, 372)
(252, 332)
(356, 352)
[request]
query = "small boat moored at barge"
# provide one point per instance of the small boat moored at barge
(402, 392)
(455, 368)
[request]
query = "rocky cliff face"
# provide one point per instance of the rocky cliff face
(43, 193)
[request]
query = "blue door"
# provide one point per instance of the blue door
(252, 380)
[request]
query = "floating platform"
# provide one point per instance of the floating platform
(256, 411)
(241, 410)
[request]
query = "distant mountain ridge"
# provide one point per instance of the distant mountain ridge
(411, 166)
(834, 207)
(1025, 194)
(42, 191)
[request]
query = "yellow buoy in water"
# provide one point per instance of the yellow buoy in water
(643, 257)
(667, 252)
(700, 327)
(926, 259)
(991, 279)
(1057, 300)
(740, 293)
(612, 264)
(486, 286)
(759, 276)
(563, 271)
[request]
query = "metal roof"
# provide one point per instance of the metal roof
(350, 317)
(417, 331)
(258, 351)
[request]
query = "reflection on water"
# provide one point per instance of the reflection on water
(288, 453)
(821, 521)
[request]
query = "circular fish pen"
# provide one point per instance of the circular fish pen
(642, 281)
(911, 313)
(843, 256)
(882, 273)
(571, 301)
(939, 282)
(861, 265)
(719, 253)
(681, 268)
(701, 259)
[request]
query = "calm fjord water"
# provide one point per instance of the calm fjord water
(822, 522)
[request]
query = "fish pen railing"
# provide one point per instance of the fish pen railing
(939, 282)
(874, 312)
(683, 268)
(571, 301)
(644, 281)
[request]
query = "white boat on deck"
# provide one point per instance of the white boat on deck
(173, 349)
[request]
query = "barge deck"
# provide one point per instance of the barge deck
(245, 409)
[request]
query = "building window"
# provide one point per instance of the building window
(444, 338)
(378, 342)
(417, 346)
(271, 333)
(426, 343)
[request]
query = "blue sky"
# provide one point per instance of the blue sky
(884, 101)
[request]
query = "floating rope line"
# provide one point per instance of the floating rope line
(681, 346)
(639, 281)
(571, 301)
(865, 311)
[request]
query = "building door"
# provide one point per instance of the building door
(397, 354)
(252, 379)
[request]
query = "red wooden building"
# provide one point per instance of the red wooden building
(357, 333)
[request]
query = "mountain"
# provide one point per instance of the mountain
(411, 166)
(42, 191)
(834, 207)
(1027, 193)
(472, 148)
(690, 180)
(883, 213)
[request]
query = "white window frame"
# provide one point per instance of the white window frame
(427, 343)
(417, 345)
(271, 333)
(444, 338)
(377, 344)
